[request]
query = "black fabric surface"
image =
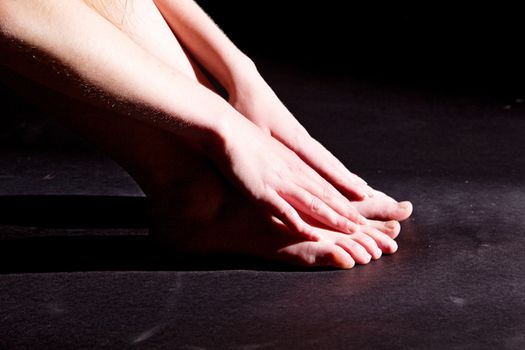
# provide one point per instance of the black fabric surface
(75, 277)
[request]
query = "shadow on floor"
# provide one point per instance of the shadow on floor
(74, 211)
(94, 233)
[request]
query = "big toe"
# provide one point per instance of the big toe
(383, 207)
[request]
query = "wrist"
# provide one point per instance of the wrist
(220, 134)
(244, 78)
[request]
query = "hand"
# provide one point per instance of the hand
(257, 102)
(272, 174)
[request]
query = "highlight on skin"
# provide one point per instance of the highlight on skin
(133, 56)
(115, 11)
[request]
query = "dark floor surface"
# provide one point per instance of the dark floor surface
(78, 271)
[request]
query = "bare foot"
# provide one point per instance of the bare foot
(382, 207)
(204, 215)
(193, 207)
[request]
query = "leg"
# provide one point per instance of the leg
(168, 172)
(153, 34)
(194, 209)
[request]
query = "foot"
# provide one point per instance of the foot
(204, 215)
(384, 208)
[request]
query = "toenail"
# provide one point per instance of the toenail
(391, 224)
(404, 205)
(349, 263)
(393, 248)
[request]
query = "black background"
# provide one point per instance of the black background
(447, 47)
(457, 281)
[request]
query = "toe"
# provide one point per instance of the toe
(383, 240)
(383, 207)
(404, 210)
(356, 250)
(313, 254)
(390, 228)
(325, 254)
(369, 244)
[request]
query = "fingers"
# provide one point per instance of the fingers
(285, 212)
(341, 177)
(323, 190)
(316, 208)
(328, 166)
(306, 192)
(383, 207)
(287, 205)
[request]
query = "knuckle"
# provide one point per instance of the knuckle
(342, 222)
(351, 212)
(315, 204)
(288, 212)
(309, 255)
(299, 137)
(303, 229)
(327, 192)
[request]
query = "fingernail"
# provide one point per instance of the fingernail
(370, 191)
(362, 193)
(404, 205)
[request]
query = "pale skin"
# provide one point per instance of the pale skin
(128, 75)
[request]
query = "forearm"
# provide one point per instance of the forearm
(207, 43)
(69, 47)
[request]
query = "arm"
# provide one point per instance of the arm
(251, 95)
(208, 44)
(69, 47)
